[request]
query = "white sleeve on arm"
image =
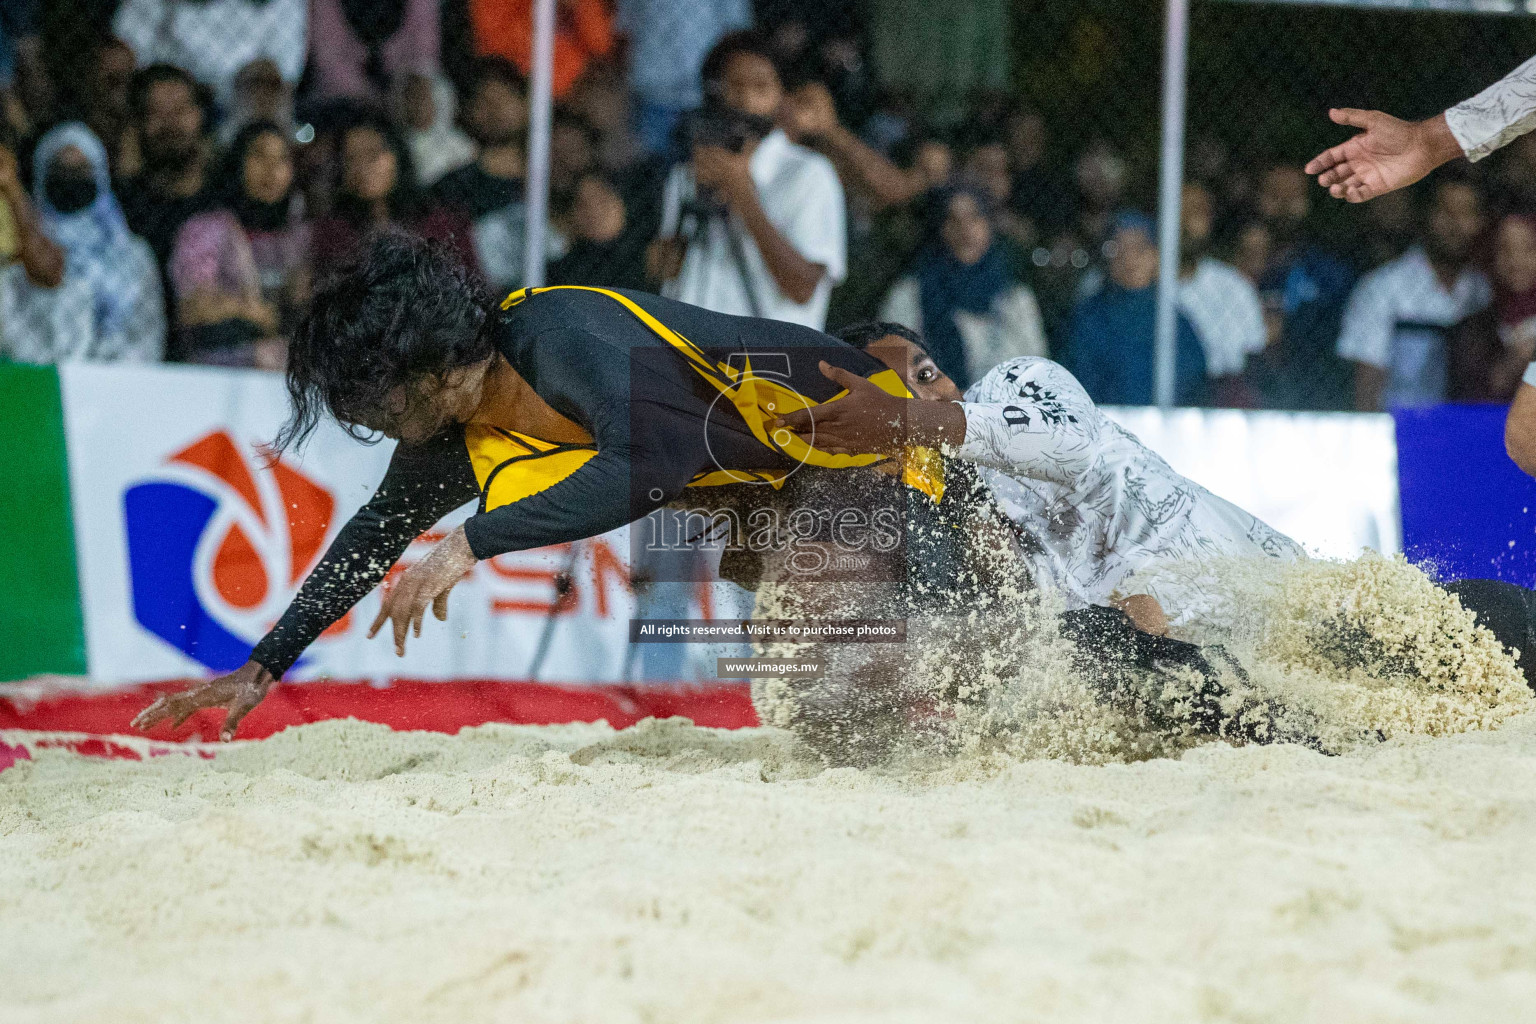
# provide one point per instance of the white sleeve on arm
(1365, 335)
(1496, 116)
(817, 224)
(1530, 375)
(1032, 418)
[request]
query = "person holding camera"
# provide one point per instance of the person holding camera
(752, 224)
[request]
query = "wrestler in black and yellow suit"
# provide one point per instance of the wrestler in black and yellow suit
(672, 395)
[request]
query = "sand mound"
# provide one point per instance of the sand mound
(340, 872)
(1335, 654)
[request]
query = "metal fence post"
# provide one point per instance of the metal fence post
(541, 101)
(1175, 59)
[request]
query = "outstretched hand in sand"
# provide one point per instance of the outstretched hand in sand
(238, 692)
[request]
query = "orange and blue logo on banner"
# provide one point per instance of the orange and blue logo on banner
(194, 563)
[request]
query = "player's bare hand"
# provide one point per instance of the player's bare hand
(809, 112)
(425, 584)
(866, 419)
(238, 693)
(1387, 154)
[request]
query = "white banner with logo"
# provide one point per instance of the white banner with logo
(1328, 480)
(189, 546)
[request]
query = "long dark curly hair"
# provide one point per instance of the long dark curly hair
(405, 310)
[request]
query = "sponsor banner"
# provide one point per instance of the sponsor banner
(1468, 510)
(190, 545)
(39, 602)
(1328, 480)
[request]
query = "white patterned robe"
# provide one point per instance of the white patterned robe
(1496, 116)
(1100, 507)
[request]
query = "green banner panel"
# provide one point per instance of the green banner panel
(41, 626)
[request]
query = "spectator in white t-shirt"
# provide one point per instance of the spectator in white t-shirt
(1397, 324)
(756, 230)
(1221, 304)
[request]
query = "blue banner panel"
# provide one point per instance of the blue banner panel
(1467, 509)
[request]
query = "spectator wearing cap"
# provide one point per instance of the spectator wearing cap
(1398, 324)
(213, 39)
(668, 40)
(360, 48)
(961, 295)
(754, 231)
(1112, 336)
(109, 306)
(1221, 304)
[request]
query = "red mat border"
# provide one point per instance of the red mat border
(401, 704)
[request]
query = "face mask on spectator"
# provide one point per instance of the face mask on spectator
(70, 191)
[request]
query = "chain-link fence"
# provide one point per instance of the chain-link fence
(997, 163)
(1329, 277)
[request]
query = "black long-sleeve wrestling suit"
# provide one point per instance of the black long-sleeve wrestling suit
(671, 394)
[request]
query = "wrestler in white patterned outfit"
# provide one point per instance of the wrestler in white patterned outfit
(1100, 504)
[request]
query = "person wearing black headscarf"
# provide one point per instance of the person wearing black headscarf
(961, 293)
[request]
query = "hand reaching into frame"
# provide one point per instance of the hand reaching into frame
(1388, 154)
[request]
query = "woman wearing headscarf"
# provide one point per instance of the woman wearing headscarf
(109, 306)
(359, 47)
(1491, 349)
(961, 295)
(425, 106)
(378, 190)
(240, 271)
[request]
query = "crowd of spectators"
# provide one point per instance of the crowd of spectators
(171, 187)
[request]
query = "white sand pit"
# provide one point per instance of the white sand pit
(341, 872)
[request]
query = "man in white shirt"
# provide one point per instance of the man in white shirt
(756, 230)
(1221, 304)
(1397, 324)
(1391, 153)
